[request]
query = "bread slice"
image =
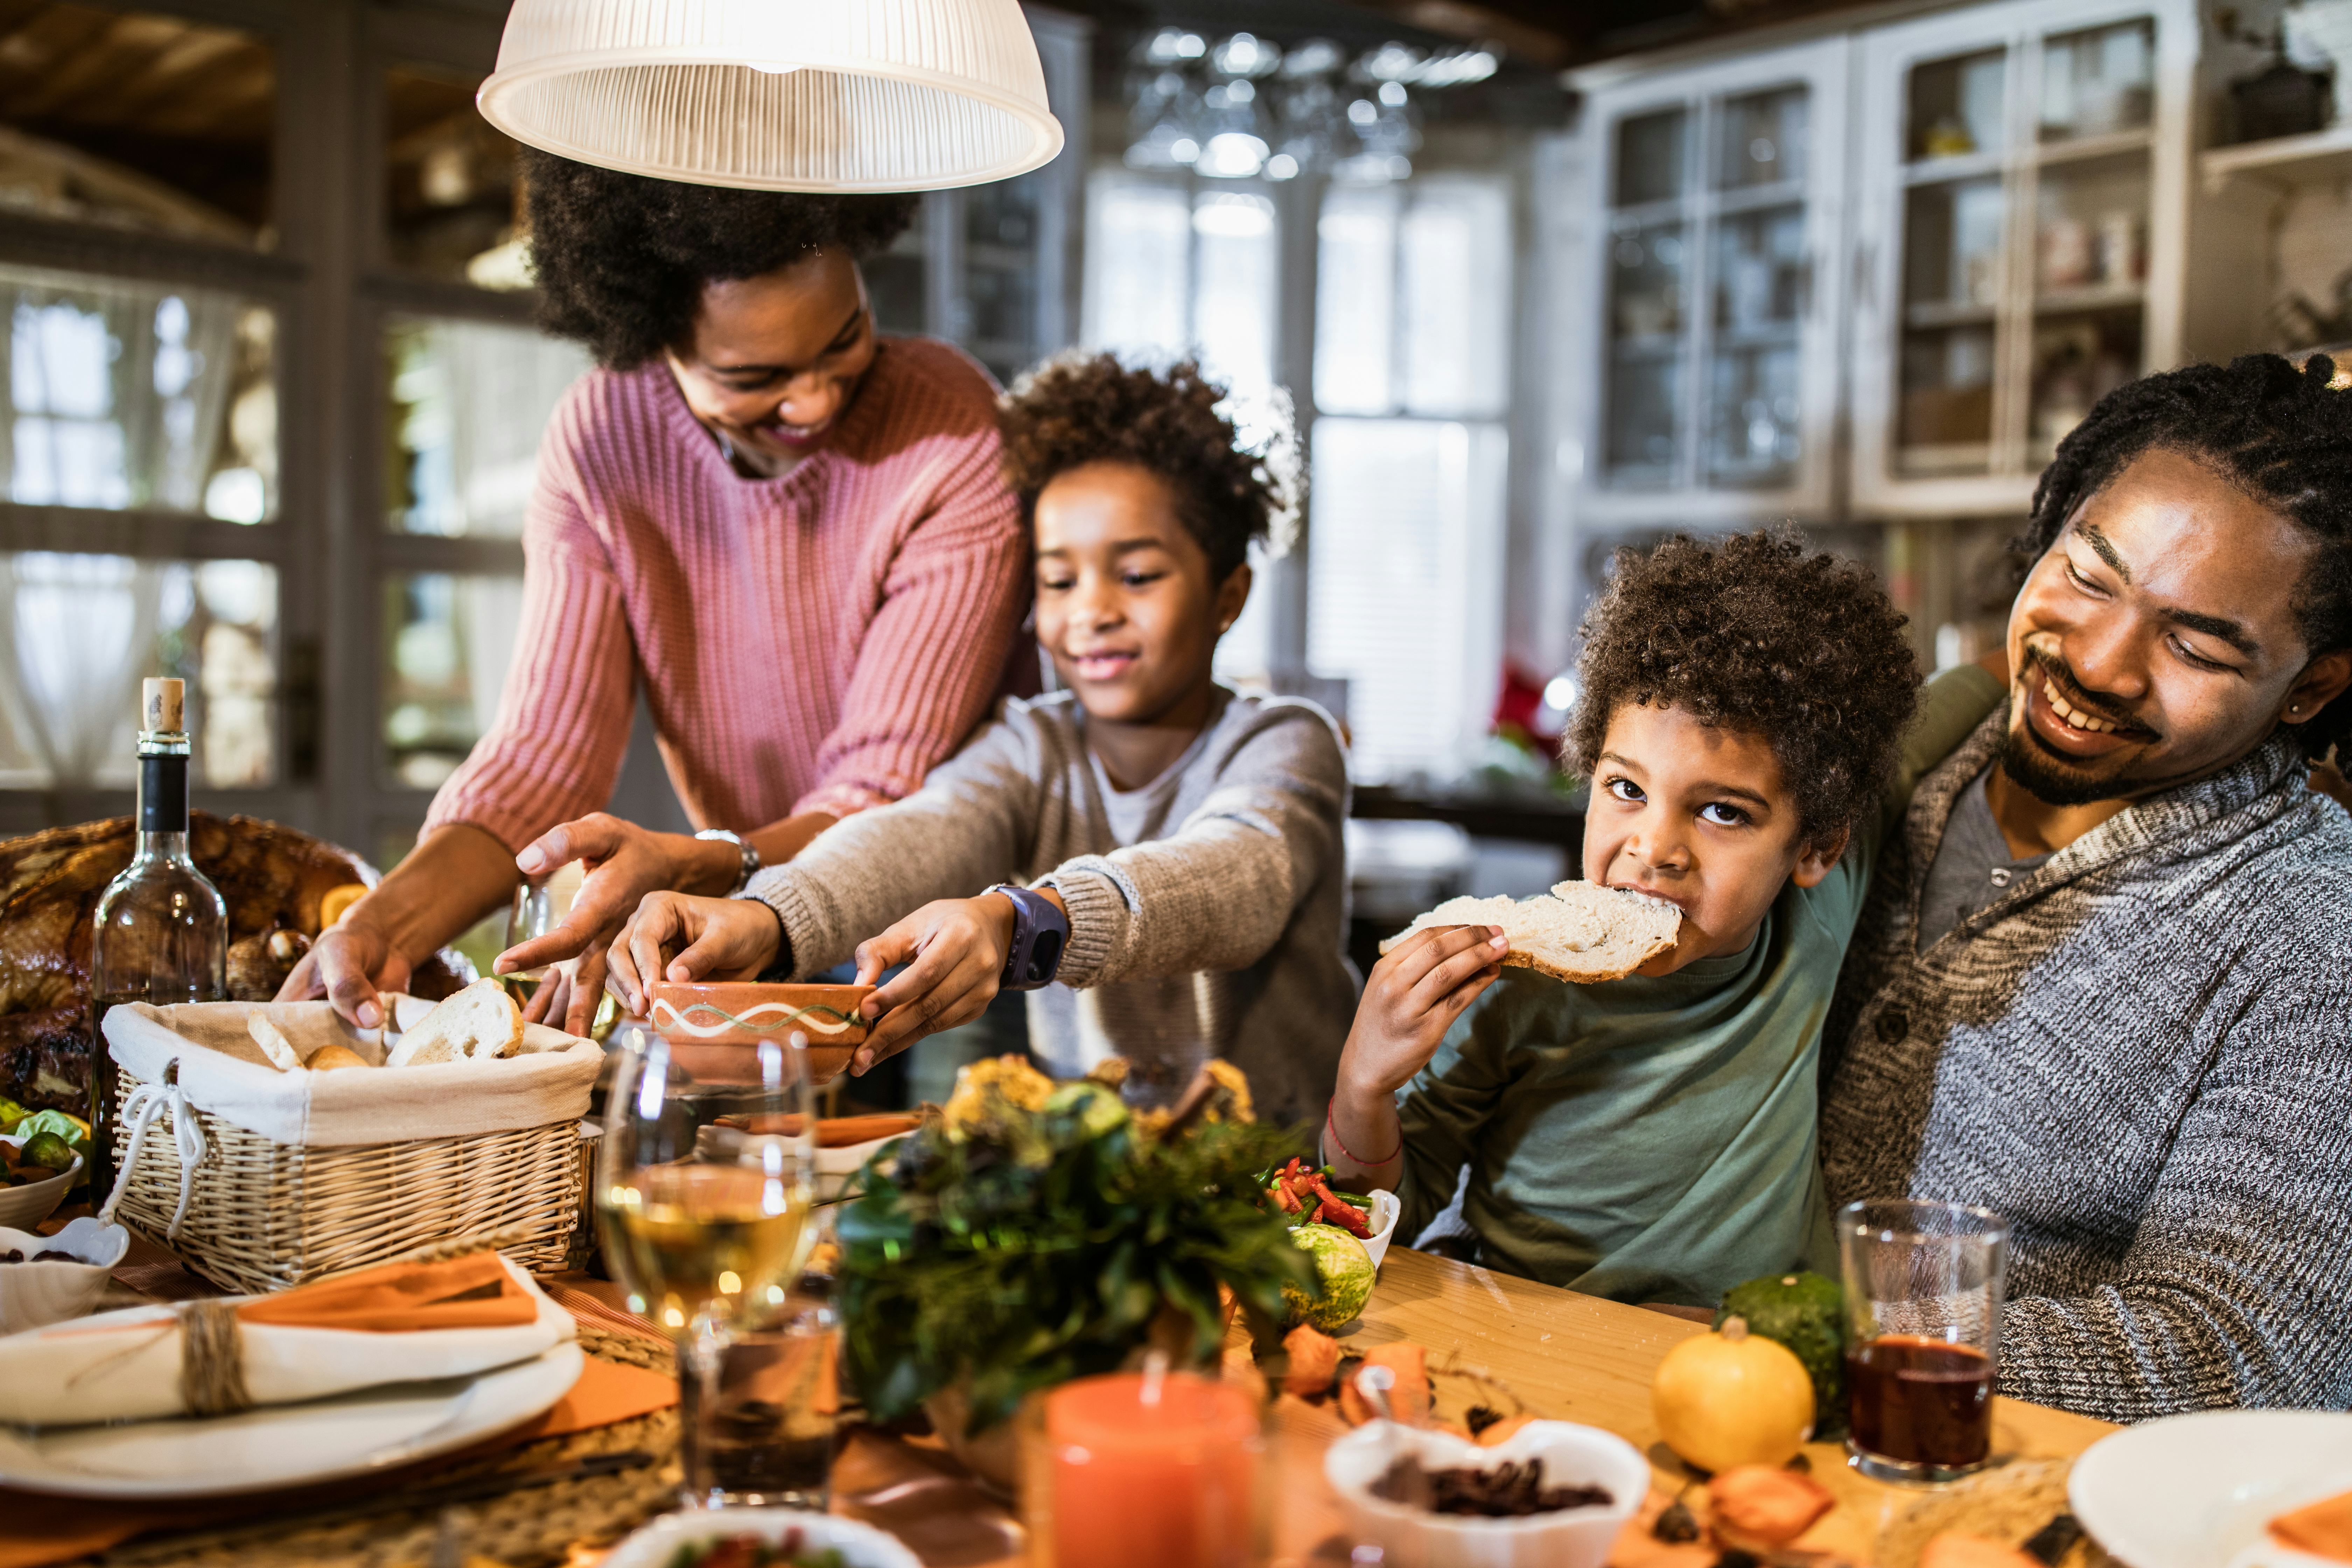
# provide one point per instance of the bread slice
(477, 1024)
(272, 1041)
(329, 1058)
(1578, 931)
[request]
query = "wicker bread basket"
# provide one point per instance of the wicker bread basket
(265, 1210)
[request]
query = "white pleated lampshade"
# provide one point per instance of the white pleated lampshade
(785, 95)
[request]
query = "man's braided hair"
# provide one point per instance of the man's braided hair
(2282, 435)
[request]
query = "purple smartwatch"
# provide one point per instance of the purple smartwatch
(1040, 932)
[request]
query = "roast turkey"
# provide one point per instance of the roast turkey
(272, 877)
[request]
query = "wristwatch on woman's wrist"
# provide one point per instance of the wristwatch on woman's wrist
(1040, 931)
(751, 856)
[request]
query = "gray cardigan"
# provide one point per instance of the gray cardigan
(1207, 909)
(2141, 1055)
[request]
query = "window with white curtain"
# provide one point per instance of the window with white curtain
(1410, 463)
(1172, 272)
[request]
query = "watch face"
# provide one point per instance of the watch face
(1044, 956)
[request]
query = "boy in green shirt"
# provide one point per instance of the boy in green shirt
(1746, 721)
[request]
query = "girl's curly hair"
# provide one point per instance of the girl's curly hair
(621, 259)
(2282, 436)
(1752, 633)
(1089, 408)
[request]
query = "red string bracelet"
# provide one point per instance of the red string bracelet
(1333, 1128)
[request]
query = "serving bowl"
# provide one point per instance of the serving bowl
(29, 1205)
(709, 1022)
(35, 1294)
(860, 1545)
(1409, 1537)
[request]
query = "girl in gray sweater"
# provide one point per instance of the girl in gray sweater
(1187, 836)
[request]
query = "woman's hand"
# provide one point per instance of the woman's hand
(1410, 999)
(719, 939)
(626, 862)
(350, 964)
(954, 952)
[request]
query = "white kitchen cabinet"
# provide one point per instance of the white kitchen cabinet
(2020, 239)
(1715, 292)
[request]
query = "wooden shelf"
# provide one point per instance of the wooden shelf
(2083, 149)
(2282, 162)
(2097, 297)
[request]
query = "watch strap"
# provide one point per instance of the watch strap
(1040, 933)
(749, 857)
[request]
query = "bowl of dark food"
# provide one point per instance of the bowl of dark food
(760, 1537)
(45, 1279)
(1556, 1494)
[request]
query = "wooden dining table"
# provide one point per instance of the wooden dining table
(1492, 1339)
(1560, 1354)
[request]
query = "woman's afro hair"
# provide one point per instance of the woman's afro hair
(2282, 436)
(1752, 633)
(1089, 408)
(621, 259)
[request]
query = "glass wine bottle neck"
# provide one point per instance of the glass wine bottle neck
(162, 795)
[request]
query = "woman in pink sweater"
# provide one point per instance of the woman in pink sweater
(790, 533)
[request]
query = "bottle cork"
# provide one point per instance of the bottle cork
(159, 704)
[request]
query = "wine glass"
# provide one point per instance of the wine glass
(540, 906)
(704, 1193)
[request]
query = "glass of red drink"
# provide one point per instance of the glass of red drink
(1923, 1294)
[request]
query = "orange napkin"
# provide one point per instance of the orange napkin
(470, 1292)
(43, 1529)
(2323, 1529)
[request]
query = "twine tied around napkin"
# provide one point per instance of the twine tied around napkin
(212, 1360)
(470, 1292)
(148, 1101)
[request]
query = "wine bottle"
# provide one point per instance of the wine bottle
(162, 931)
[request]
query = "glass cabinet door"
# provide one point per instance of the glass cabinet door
(2009, 235)
(1717, 362)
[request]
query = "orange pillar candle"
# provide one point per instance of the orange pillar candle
(1151, 1472)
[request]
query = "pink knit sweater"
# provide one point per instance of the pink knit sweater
(809, 643)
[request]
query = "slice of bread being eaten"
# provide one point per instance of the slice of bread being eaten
(477, 1024)
(1578, 931)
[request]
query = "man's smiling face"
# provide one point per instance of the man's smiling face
(2156, 641)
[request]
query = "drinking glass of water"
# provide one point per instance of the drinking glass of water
(1923, 1295)
(704, 1190)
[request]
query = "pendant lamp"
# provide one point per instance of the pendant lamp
(781, 95)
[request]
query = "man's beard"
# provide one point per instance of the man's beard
(2046, 779)
(2031, 766)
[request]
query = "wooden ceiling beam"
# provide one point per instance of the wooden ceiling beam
(1479, 23)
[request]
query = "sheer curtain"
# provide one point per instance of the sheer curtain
(77, 633)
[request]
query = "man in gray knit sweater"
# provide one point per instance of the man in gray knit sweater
(2104, 984)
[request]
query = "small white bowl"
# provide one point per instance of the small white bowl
(1410, 1538)
(1385, 1210)
(860, 1545)
(35, 1294)
(27, 1206)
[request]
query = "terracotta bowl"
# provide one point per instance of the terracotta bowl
(711, 1025)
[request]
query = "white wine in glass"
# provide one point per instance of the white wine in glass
(704, 1181)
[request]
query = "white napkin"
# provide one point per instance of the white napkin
(125, 1366)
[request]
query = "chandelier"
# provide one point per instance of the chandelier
(1246, 108)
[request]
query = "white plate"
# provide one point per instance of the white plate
(860, 1545)
(2193, 1491)
(287, 1444)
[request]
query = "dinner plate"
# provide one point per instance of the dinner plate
(367, 1430)
(2194, 1491)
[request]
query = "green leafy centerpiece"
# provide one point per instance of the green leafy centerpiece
(1035, 1232)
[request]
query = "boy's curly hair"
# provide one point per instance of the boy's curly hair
(1089, 408)
(1753, 633)
(621, 259)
